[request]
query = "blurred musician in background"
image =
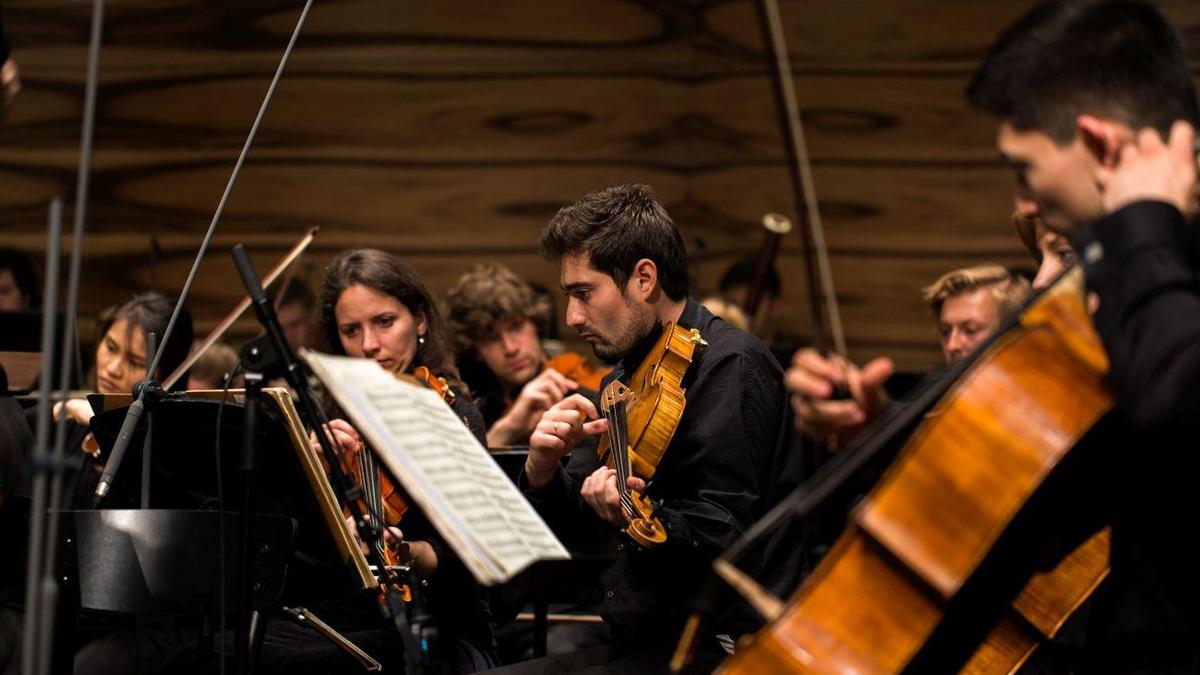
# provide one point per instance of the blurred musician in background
(18, 282)
(10, 75)
(968, 305)
(496, 322)
(296, 314)
(213, 366)
(121, 362)
(735, 285)
(106, 643)
(812, 376)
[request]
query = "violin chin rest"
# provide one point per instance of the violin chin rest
(647, 533)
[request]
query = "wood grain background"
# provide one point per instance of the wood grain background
(449, 133)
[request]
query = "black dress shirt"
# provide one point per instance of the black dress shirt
(725, 466)
(1143, 261)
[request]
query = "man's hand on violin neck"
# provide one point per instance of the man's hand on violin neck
(600, 492)
(561, 428)
(812, 380)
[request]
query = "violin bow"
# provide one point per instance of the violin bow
(821, 294)
(804, 192)
(285, 264)
(285, 282)
(136, 408)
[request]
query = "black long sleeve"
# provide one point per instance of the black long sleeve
(1142, 263)
(722, 470)
(1149, 315)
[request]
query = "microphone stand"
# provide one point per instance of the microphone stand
(267, 357)
(135, 409)
(43, 462)
(41, 594)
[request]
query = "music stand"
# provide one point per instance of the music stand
(183, 469)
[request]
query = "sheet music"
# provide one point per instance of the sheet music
(442, 466)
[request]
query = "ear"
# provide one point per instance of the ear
(422, 325)
(643, 281)
(1101, 137)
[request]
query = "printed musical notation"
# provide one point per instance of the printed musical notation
(442, 466)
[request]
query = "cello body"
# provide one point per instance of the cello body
(929, 526)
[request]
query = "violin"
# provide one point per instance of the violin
(577, 369)
(642, 418)
(381, 495)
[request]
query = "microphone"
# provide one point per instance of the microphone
(264, 309)
(132, 417)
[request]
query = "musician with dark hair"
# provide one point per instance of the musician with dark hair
(371, 304)
(107, 643)
(1097, 114)
(624, 272)
(121, 363)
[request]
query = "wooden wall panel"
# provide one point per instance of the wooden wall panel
(451, 132)
(727, 119)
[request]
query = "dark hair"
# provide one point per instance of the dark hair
(1118, 58)
(18, 263)
(741, 273)
(385, 273)
(616, 227)
(298, 291)
(149, 312)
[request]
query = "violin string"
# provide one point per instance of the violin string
(372, 491)
(619, 456)
(625, 468)
(616, 447)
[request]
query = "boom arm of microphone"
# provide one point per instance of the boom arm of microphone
(122, 442)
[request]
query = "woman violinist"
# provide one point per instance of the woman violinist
(372, 305)
(121, 361)
(106, 643)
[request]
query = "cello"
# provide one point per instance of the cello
(923, 545)
(919, 548)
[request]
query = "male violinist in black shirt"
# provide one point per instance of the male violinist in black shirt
(624, 272)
